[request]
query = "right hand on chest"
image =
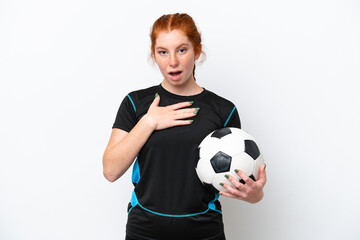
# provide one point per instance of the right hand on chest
(169, 116)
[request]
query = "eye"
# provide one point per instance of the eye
(161, 52)
(182, 50)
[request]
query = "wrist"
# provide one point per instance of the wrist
(149, 121)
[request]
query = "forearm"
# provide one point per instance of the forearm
(119, 157)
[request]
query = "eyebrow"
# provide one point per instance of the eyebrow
(183, 44)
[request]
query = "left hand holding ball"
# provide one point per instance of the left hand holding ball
(251, 191)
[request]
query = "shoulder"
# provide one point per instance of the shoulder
(142, 98)
(142, 93)
(220, 100)
(225, 108)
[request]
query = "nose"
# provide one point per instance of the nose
(173, 60)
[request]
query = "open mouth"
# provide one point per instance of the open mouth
(175, 73)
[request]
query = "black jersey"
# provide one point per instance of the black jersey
(169, 201)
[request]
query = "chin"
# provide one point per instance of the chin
(178, 82)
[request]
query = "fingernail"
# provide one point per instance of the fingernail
(191, 102)
(195, 112)
(191, 121)
(220, 193)
(227, 176)
(156, 95)
(221, 184)
(265, 165)
(236, 170)
(197, 109)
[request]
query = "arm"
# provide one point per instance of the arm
(123, 147)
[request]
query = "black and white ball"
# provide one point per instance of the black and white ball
(223, 151)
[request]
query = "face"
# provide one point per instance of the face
(175, 56)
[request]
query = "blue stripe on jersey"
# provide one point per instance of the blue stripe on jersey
(230, 116)
(212, 204)
(134, 202)
(136, 171)
(172, 215)
(132, 102)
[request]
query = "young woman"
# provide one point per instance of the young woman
(162, 126)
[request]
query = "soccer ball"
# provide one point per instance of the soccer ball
(223, 151)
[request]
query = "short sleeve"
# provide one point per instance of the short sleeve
(233, 119)
(126, 118)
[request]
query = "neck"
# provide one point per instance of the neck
(187, 89)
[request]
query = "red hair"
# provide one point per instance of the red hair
(180, 21)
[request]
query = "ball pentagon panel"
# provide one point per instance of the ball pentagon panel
(252, 149)
(221, 162)
(222, 132)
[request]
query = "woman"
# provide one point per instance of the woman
(162, 126)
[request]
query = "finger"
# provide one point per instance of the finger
(244, 177)
(180, 105)
(186, 110)
(236, 182)
(184, 115)
(182, 122)
(227, 194)
(232, 190)
(156, 101)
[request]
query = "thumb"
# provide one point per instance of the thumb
(262, 174)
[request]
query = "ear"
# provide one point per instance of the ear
(198, 52)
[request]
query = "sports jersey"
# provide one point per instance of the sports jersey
(169, 201)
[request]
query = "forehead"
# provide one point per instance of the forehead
(171, 39)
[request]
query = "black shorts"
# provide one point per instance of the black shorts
(220, 237)
(143, 225)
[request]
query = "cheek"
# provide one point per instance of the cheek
(190, 61)
(162, 68)
(161, 65)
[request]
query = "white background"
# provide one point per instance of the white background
(290, 67)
